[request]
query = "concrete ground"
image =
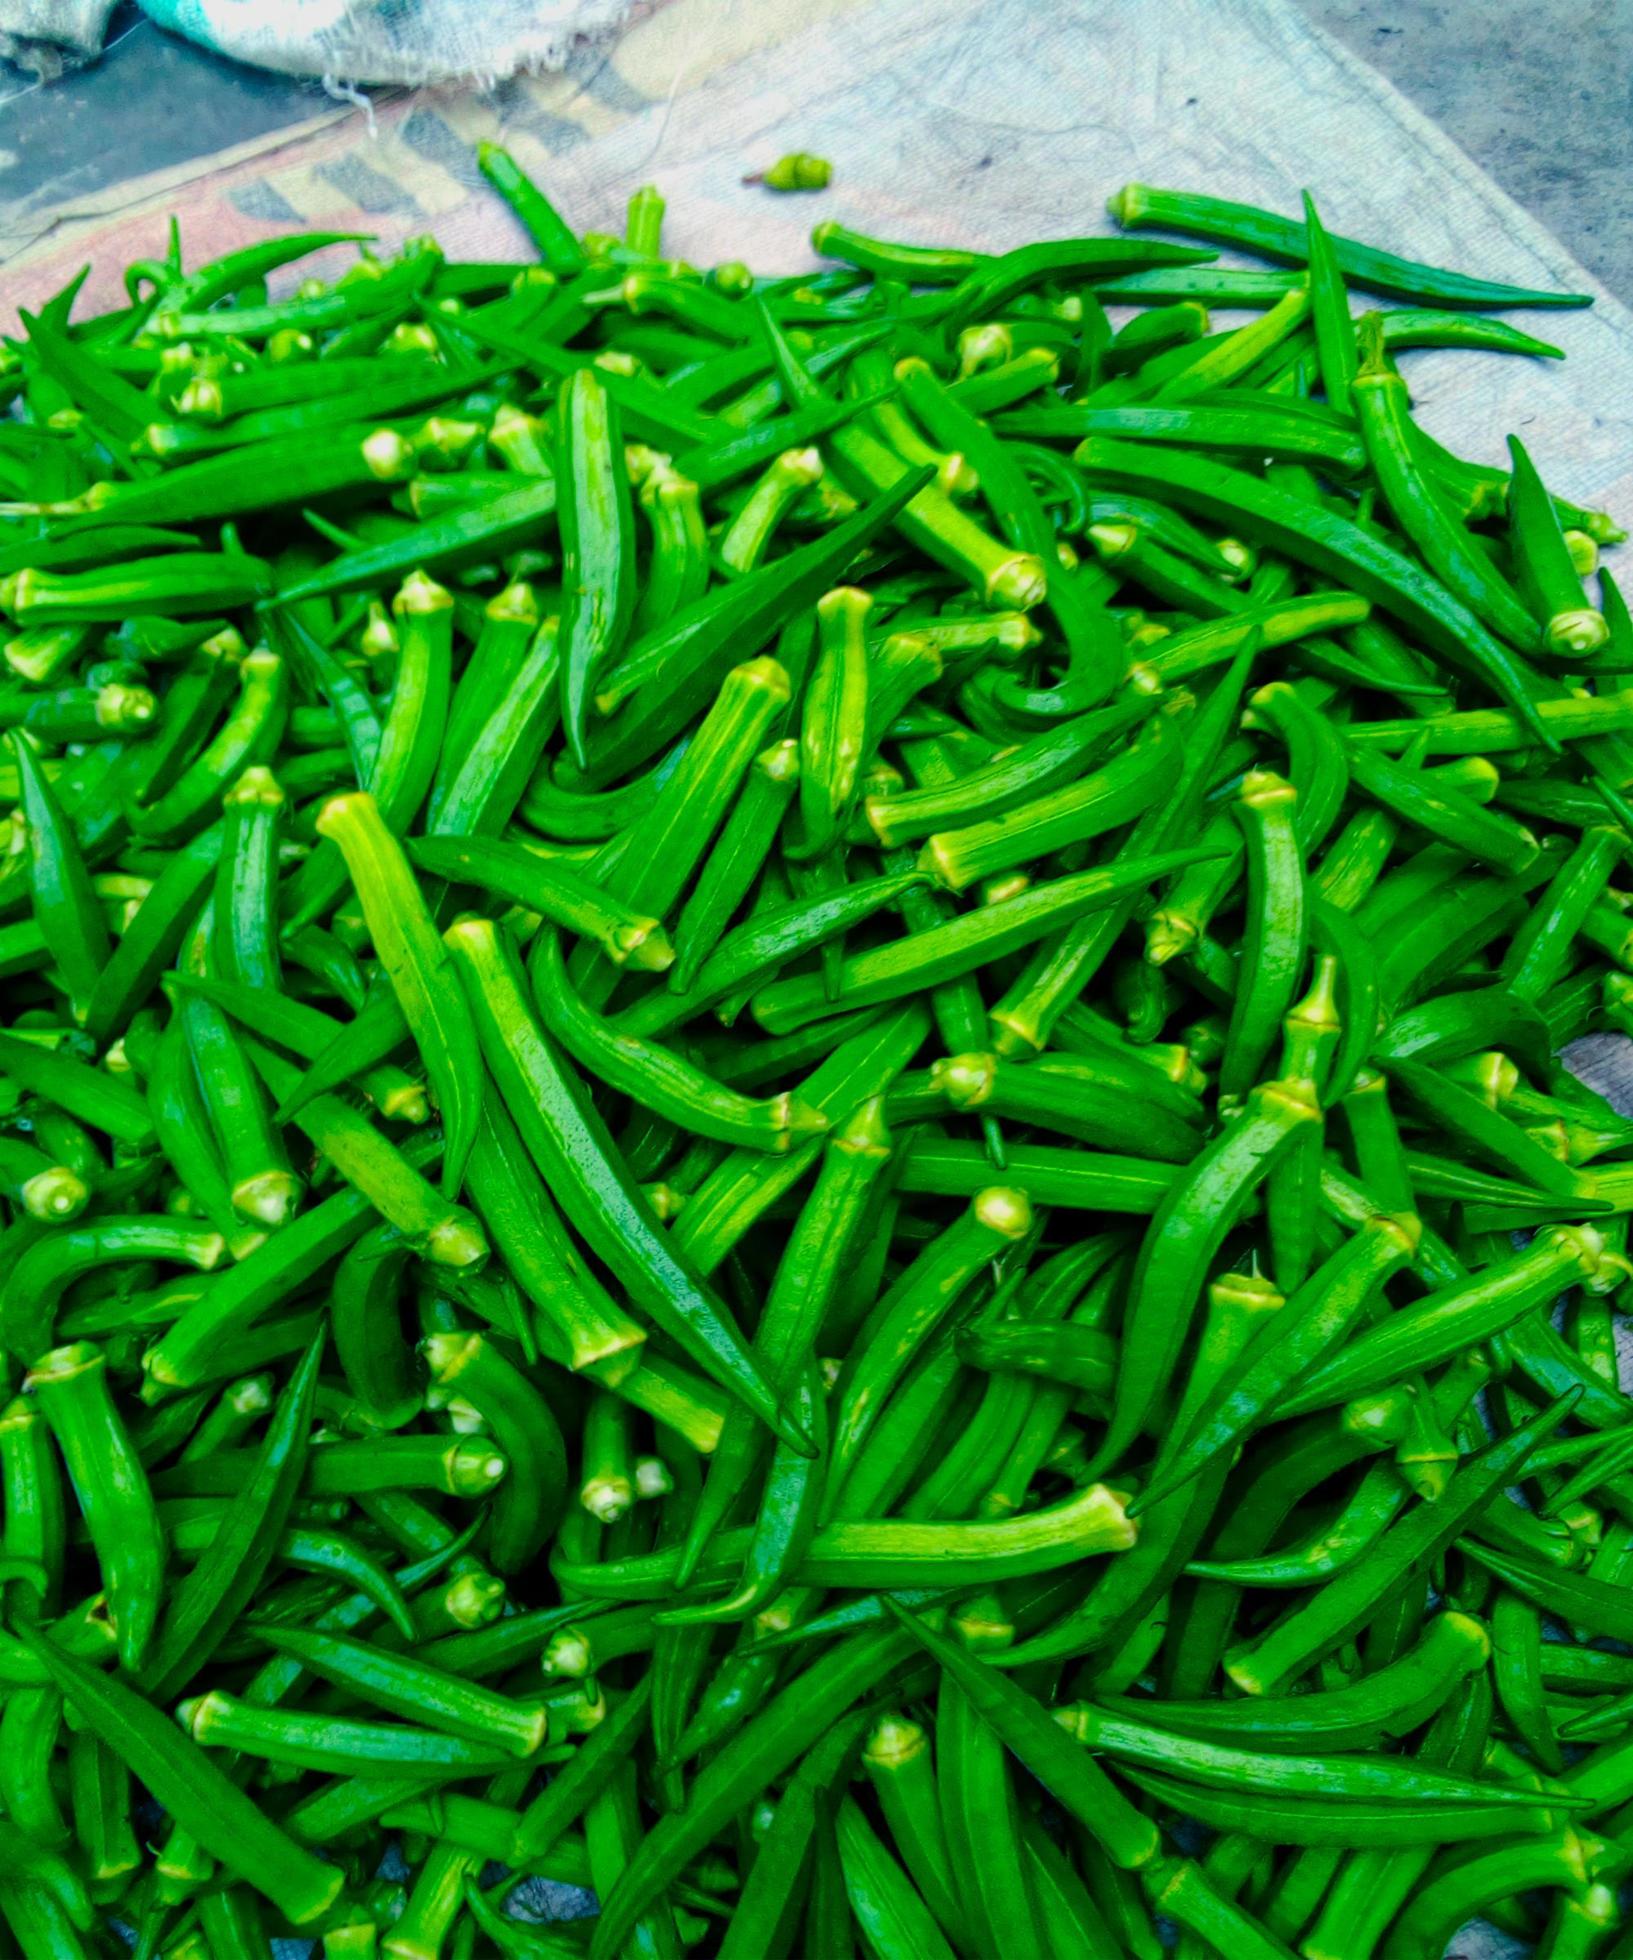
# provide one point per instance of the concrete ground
(1536, 91)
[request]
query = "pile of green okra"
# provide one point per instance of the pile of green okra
(781, 1112)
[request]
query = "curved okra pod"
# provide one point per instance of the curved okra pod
(1026, 1015)
(807, 1280)
(528, 1503)
(1080, 1359)
(883, 1900)
(1317, 1316)
(898, 1762)
(1441, 1323)
(1012, 778)
(910, 1312)
(678, 569)
(1269, 235)
(365, 1319)
(1393, 1700)
(250, 735)
(1293, 1644)
(691, 651)
(648, 865)
(1189, 1227)
(1541, 949)
(180, 583)
(557, 247)
(1032, 1734)
(930, 519)
(153, 935)
(206, 1603)
(415, 962)
(1445, 813)
(111, 1488)
(411, 736)
(1275, 940)
(510, 620)
(1415, 501)
(1565, 1862)
(764, 942)
(590, 1333)
(979, 1806)
(307, 1032)
(333, 1744)
(1074, 1096)
(203, 1801)
(386, 1175)
(751, 531)
(656, 1077)
(1335, 548)
(263, 1188)
(38, 1277)
(404, 1686)
(34, 1525)
(65, 904)
(1347, 1823)
(1220, 1764)
(888, 1554)
(1317, 764)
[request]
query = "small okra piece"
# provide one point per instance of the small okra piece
(961, 944)
(907, 1316)
(799, 170)
(1102, 800)
(557, 247)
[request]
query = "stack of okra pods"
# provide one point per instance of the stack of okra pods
(782, 1118)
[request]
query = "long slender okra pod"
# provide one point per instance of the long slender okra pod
(571, 1148)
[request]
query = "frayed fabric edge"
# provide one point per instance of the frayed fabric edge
(544, 52)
